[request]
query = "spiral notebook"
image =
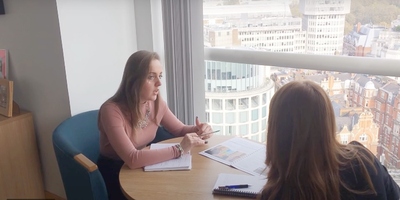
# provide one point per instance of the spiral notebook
(256, 184)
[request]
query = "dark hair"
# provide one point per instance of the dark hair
(303, 154)
(135, 73)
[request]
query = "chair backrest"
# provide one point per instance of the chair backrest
(79, 135)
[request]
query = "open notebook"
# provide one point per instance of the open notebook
(256, 184)
(182, 163)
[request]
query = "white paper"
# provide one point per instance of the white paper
(182, 163)
(243, 154)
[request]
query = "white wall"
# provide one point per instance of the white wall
(97, 38)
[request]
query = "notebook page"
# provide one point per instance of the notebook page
(182, 163)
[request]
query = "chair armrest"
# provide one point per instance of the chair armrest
(85, 162)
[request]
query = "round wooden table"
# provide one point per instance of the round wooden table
(196, 183)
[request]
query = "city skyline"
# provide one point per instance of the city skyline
(323, 33)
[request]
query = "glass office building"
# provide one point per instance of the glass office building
(237, 98)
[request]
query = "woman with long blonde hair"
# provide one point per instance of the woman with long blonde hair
(305, 160)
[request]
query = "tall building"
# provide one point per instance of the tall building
(386, 115)
(279, 34)
(324, 23)
(237, 98)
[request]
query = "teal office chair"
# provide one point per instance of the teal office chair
(76, 145)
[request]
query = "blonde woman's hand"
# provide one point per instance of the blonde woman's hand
(204, 131)
(191, 140)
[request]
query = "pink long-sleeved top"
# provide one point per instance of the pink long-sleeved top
(119, 141)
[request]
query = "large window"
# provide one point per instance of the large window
(347, 47)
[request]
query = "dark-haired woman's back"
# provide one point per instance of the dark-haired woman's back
(386, 188)
(353, 178)
(305, 160)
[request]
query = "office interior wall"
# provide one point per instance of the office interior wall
(30, 31)
(97, 38)
(66, 57)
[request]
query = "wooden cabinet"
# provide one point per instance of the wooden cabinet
(20, 171)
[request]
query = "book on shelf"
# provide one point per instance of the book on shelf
(182, 163)
(240, 153)
(226, 184)
(4, 63)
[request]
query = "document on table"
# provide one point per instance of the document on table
(182, 163)
(240, 153)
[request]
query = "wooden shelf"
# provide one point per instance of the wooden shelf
(20, 174)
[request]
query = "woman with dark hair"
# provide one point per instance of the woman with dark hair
(129, 120)
(305, 160)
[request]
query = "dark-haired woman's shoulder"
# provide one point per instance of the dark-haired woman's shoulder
(353, 176)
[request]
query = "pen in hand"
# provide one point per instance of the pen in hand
(227, 187)
(203, 134)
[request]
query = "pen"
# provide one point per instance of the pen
(209, 133)
(234, 186)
